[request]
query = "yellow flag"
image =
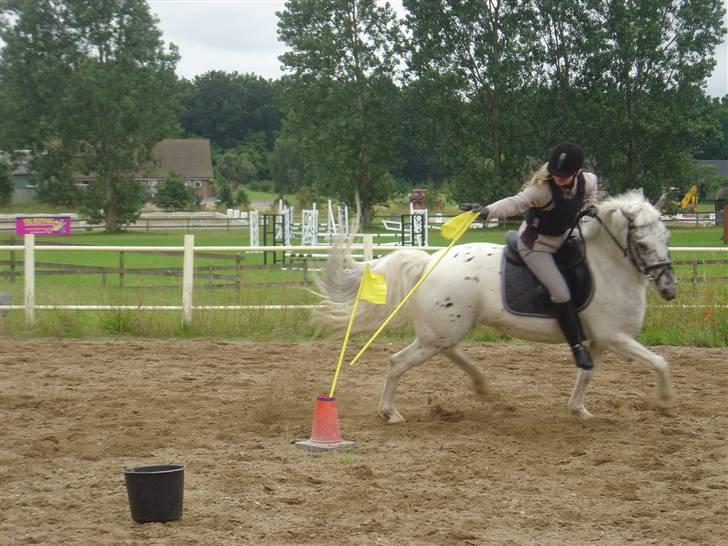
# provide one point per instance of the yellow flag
(455, 227)
(373, 287)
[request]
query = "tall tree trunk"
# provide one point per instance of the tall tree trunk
(367, 215)
(110, 217)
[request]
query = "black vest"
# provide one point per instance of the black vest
(559, 219)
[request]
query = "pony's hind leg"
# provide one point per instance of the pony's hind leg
(583, 377)
(463, 361)
(631, 348)
(415, 353)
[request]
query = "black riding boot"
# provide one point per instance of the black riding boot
(570, 325)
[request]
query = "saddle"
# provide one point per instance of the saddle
(523, 294)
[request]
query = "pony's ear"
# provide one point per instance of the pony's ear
(631, 210)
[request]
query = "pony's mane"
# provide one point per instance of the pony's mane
(632, 203)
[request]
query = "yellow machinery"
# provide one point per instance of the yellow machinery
(690, 200)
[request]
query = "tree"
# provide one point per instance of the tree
(55, 183)
(286, 165)
(7, 185)
(235, 167)
(431, 138)
(483, 53)
(57, 187)
(224, 193)
(340, 100)
(173, 194)
(241, 198)
(90, 86)
(713, 142)
(651, 60)
(230, 109)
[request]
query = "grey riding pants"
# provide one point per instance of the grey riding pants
(543, 266)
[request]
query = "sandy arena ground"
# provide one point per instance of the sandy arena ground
(512, 470)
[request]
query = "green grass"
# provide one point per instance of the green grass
(691, 236)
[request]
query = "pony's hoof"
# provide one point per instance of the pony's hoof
(482, 392)
(392, 417)
(581, 413)
(664, 405)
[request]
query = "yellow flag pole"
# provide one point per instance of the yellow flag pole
(400, 304)
(346, 337)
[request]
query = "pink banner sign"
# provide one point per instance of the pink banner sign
(45, 225)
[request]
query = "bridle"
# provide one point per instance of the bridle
(651, 271)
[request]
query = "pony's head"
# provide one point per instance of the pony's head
(635, 227)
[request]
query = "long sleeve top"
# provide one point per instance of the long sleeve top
(538, 196)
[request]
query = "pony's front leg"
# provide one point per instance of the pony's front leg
(583, 377)
(412, 355)
(631, 348)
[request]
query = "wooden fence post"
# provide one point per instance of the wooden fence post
(368, 250)
(121, 269)
(188, 273)
(29, 274)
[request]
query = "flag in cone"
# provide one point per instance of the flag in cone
(455, 227)
(325, 433)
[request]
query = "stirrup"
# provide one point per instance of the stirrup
(582, 358)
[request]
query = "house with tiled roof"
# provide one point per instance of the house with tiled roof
(190, 157)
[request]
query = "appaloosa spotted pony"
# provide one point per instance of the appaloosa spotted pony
(627, 246)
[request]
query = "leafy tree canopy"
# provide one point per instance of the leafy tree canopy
(7, 184)
(173, 194)
(89, 87)
(230, 109)
(340, 100)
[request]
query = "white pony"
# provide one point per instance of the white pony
(626, 246)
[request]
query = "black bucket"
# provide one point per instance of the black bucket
(155, 492)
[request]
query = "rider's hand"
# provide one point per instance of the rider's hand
(482, 210)
(590, 211)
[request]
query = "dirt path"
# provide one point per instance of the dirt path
(513, 470)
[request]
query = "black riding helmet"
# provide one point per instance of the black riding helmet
(566, 159)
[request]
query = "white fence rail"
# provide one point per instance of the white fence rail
(188, 252)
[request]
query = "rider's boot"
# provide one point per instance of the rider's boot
(569, 321)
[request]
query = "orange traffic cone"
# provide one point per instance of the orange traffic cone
(325, 434)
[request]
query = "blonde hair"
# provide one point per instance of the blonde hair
(539, 177)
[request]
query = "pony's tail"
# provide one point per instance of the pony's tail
(340, 283)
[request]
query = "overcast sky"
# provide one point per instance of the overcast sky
(241, 35)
